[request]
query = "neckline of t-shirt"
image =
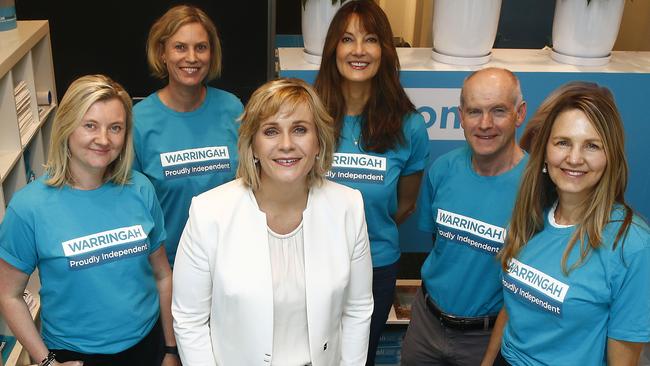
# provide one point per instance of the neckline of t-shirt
(503, 176)
(199, 110)
(353, 119)
(550, 217)
(88, 192)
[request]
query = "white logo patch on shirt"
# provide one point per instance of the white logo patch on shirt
(470, 232)
(204, 160)
(358, 168)
(471, 226)
(98, 248)
(535, 286)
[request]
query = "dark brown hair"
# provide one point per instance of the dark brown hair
(381, 126)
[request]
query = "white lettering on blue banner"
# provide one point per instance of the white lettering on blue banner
(439, 107)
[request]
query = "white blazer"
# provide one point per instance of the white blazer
(223, 292)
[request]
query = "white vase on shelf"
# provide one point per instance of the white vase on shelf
(584, 31)
(316, 18)
(464, 30)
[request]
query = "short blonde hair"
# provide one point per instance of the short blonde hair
(80, 96)
(167, 25)
(266, 102)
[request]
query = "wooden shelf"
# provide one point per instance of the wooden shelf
(18, 355)
(393, 318)
(8, 160)
(25, 56)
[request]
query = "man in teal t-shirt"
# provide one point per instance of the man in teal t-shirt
(466, 200)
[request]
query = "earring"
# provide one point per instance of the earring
(544, 169)
(317, 157)
(255, 160)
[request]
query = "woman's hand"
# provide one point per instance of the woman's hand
(171, 360)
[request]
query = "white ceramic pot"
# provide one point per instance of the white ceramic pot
(586, 30)
(316, 18)
(465, 29)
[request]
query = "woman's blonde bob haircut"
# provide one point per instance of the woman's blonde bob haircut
(79, 97)
(265, 103)
(165, 27)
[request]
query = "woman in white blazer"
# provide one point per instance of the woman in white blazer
(274, 268)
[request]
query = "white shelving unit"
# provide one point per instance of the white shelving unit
(25, 55)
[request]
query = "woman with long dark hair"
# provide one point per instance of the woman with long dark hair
(382, 140)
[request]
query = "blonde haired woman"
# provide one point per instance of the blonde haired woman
(185, 133)
(94, 230)
(278, 260)
(577, 260)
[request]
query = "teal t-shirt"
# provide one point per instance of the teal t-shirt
(185, 153)
(376, 176)
(98, 292)
(555, 319)
(468, 215)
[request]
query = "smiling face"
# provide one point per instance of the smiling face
(575, 155)
(187, 55)
(490, 114)
(286, 145)
(358, 54)
(98, 140)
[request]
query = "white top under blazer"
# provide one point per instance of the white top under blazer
(290, 334)
(223, 291)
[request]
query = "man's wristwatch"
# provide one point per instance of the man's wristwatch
(172, 350)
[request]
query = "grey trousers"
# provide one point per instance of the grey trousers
(428, 342)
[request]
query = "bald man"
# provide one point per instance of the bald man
(466, 201)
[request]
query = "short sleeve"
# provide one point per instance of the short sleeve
(419, 144)
(158, 233)
(17, 243)
(424, 210)
(239, 111)
(630, 307)
(137, 165)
